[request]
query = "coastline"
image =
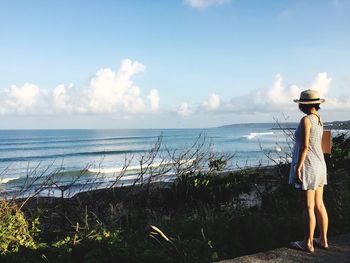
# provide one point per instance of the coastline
(240, 212)
(164, 181)
(188, 213)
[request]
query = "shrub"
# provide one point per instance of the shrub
(14, 229)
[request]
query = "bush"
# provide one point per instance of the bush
(14, 229)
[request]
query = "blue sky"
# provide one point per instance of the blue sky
(175, 63)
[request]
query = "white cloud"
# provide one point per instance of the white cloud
(276, 98)
(114, 92)
(278, 95)
(212, 103)
(20, 99)
(154, 99)
(279, 98)
(108, 91)
(184, 110)
(205, 3)
(321, 83)
(61, 99)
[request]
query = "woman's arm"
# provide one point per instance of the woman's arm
(305, 126)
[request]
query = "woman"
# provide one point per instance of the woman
(308, 171)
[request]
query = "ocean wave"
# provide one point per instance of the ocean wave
(60, 146)
(136, 167)
(6, 180)
(112, 170)
(254, 135)
(41, 141)
(63, 155)
(272, 149)
(234, 139)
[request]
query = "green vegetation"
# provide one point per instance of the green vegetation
(201, 217)
(15, 231)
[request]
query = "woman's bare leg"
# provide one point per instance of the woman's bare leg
(310, 219)
(322, 217)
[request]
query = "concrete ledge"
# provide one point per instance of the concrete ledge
(339, 251)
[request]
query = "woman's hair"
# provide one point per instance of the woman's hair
(307, 107)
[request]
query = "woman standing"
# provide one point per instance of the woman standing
(308, 171)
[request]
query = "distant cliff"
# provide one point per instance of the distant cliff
(338, 125)
(272, 125)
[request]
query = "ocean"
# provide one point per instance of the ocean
(27, 157)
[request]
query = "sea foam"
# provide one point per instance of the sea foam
(254, 135)
(137, 167)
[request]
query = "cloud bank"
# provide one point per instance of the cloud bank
(114, 92)
(277, 98)
(108, 91)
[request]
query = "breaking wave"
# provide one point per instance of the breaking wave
(254, 135)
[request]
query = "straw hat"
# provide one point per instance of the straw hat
(310, 97)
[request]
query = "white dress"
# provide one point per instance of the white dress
(314, 170)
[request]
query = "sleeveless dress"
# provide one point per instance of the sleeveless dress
(314, 170)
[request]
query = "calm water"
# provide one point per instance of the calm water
(32, 152)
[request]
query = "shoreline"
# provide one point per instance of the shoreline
(81, 187)
(126, 193)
